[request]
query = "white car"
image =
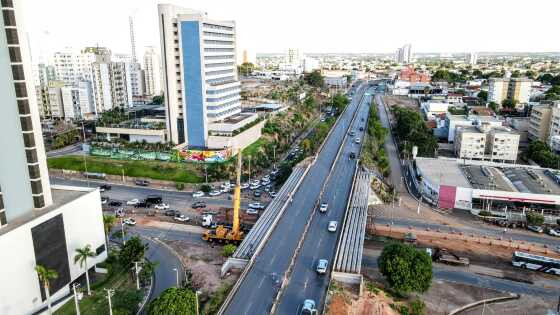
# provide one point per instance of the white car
(274, 172)
(119, 213)
(256, 205)
(272, 193)
(253, 187)
(252, 211)
(323, 207)
(181, 218)
(162, 206)
(133, 202)
(357, 140)
(322, 266)
(255, 182)
(198, 194)
(130, 221)
(265, 182)
(245, 186)
(332, 226)
(214, 193)
(554, 232)
(224, 190)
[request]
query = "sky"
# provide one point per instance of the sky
(349, 26)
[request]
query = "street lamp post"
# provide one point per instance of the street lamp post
(122, 229)
(137, 271)
(197, 293)
(74, 286)
(176, 276)
(206, 172)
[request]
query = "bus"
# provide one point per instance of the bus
(536, 262)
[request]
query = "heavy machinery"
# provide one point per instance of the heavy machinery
(222, 234)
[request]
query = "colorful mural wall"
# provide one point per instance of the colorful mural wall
(184, 155)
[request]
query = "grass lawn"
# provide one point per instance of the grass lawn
(178, 172)
(97, 302)
(254, 147)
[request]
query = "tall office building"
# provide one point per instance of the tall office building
(199, 70)
(40, 225)
(152, 71)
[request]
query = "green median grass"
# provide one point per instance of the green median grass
(171, 171)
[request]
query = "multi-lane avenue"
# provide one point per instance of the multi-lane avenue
(258, 290)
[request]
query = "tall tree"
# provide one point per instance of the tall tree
(82, 255)
(314, 79)
(108, 223)
(174, 301)
(405, 268)
(45, 275)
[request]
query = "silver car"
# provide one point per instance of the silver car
(322, 266)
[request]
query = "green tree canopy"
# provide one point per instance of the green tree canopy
(482, 95)
(509, 103)
(158, 99)
(534, 218)
(174, 301)
(405, 268)
(314, 78)
(228, 250)
(133, 251)
(246, 68)
(411, 128)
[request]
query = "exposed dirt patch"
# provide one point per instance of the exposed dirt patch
(204, 262)
(346, 300)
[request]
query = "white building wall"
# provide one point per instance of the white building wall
(83, 224)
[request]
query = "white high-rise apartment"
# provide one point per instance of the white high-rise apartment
(199, 70)
(152, 71)
(24, 180)
(77, 100)
(40, 225)
(497, 90)
(472, 58)
(404, 54)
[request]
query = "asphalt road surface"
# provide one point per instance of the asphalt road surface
(462, 275)
(305, 282)
(257, 291)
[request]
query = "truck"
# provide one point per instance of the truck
(208, 220)
(444, 256)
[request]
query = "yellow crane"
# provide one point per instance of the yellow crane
(222, 234)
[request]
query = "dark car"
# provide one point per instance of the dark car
(198, 204)
(104, 187)
(141, 182)
(142, 204)
(361, 128)
(153, 199)
(172, 213)
(257, 193)
(352, 155)
(114, 203)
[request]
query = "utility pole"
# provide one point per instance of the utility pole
(249, 169)
(206, 172)
(76, 298)
(85, 153)
(110, 293)
(137, 271)
(274, 156)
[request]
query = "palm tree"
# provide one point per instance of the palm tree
(82, 254)
(108, 223)
(45, 275)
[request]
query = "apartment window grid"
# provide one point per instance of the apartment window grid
(216, 65)
(10, 27)
(218, 72)
(207, 49)
(235, 88)
(224, 113)
(218, 57)
(223, 98)
(218, 42)
(215, 34)
(220, 80)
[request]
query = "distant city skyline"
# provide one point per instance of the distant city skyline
(312, 27)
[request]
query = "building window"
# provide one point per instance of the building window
(36, 187)
(100, 249)
(17, 72)
(15, 54)
(21, 90)
(29, 140)
(31, 156)
(23, 106)
(7, 3)
(3, 220)
(12, 36)
(9, 17)
(26, 124)
(39, 201)
(34, 172)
